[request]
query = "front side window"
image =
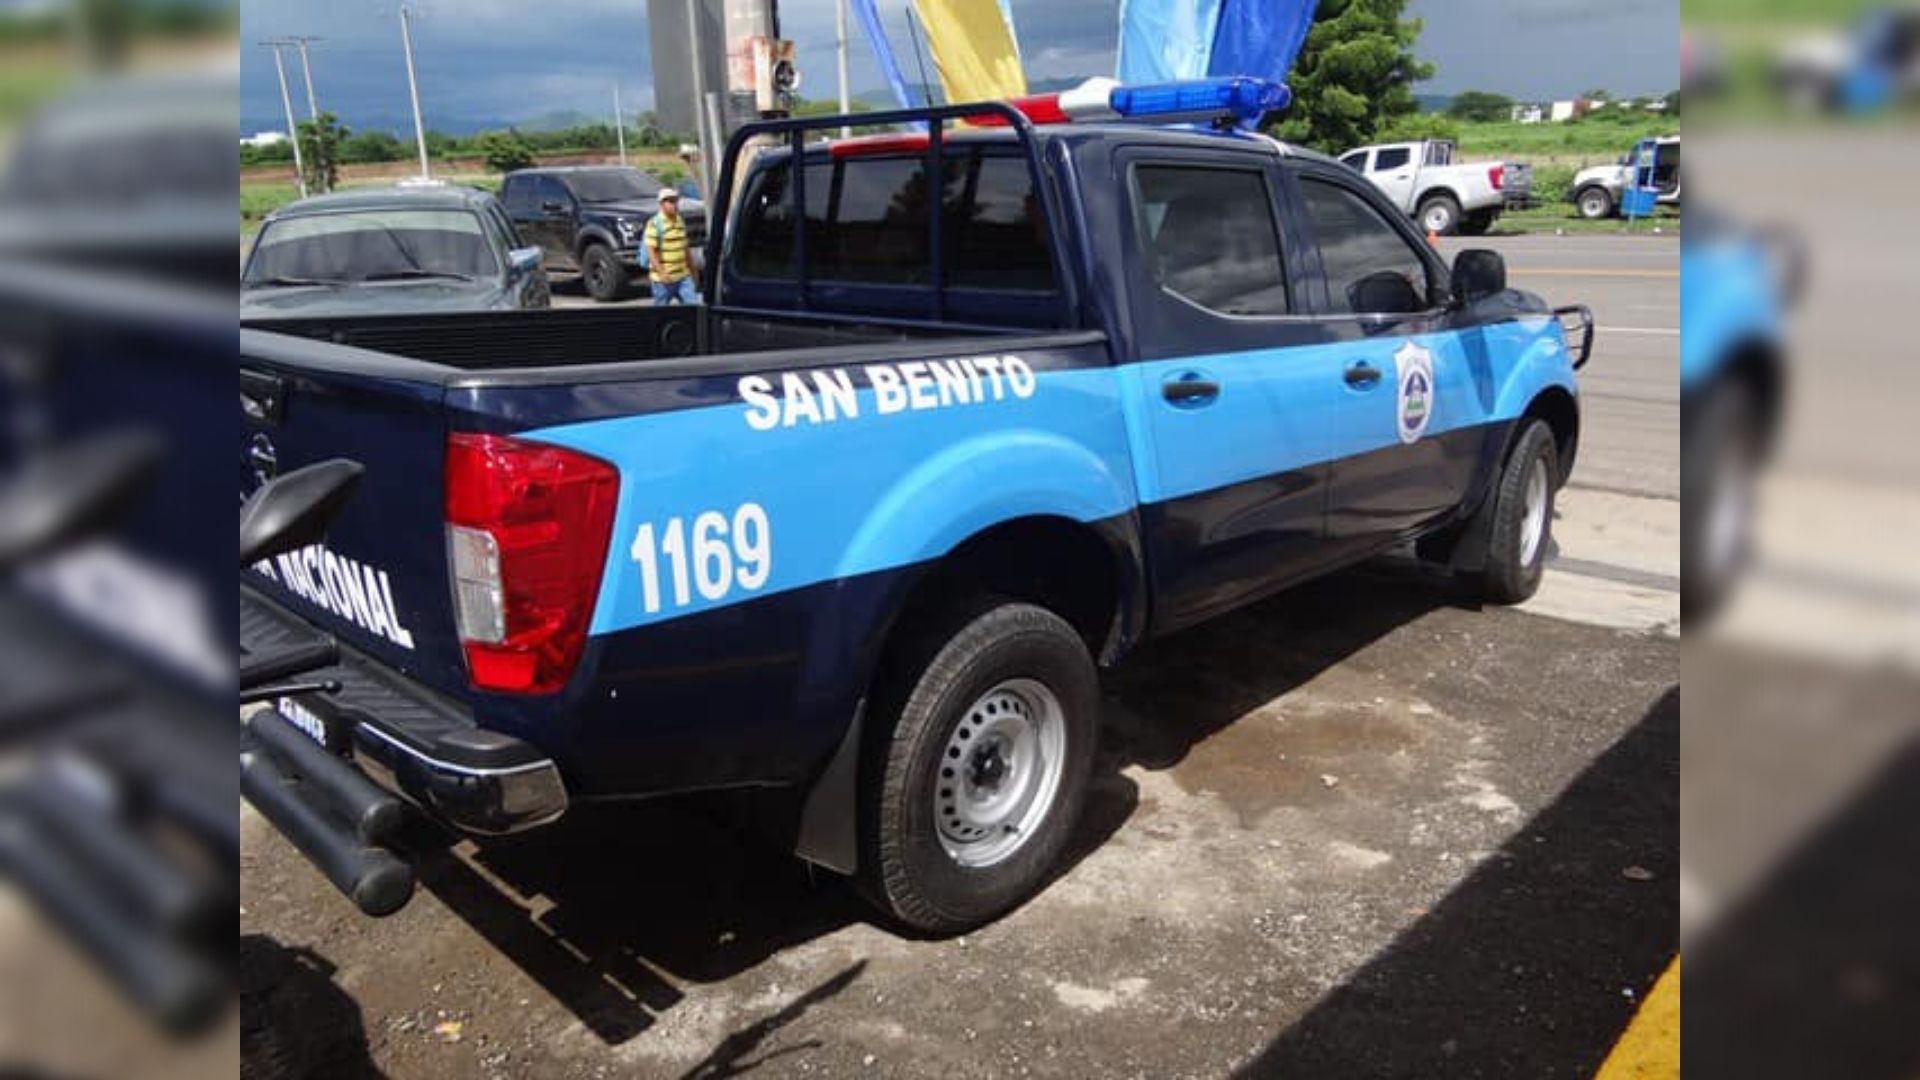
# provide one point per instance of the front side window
(371, 245)
(1371, 268)
(1211, 238)
(1357, 161)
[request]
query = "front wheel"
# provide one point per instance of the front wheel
(1440, 215)
(973, 790)
(1522, 517)
(1594, 203)
(1719, 459)
(606, 279)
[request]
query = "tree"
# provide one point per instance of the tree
(320, 151)
(1354, 75)
(1673, 103)
(1419, 127)
(1480, 106)
(371, 146)
(504, 151)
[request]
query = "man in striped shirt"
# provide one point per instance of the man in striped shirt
(666, 239)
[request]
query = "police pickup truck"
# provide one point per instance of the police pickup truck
(975, 410)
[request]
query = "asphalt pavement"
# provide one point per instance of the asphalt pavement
(1361, 829)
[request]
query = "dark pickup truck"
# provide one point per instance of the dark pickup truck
(588, 220)
(862, 533)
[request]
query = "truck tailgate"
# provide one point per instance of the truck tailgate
(380, 580)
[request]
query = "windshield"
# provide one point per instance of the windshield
(371, 245)
(612, 185)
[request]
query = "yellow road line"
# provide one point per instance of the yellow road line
(1521, 271)
(1650, 1047)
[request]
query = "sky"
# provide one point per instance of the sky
(486, 63)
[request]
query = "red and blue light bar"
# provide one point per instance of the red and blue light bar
(1237, 99)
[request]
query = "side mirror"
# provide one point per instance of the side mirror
(1478, 274)
(524, 260)
(292, 510)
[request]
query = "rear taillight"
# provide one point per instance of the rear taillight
(1497, 176)
(527, 529)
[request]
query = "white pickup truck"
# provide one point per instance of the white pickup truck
(1422, 179)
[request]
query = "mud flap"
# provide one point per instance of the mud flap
(829, 828)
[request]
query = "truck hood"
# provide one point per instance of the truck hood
(378, 299)
(1599, 174)
(645, 208)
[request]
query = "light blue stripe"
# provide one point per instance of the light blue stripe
(875, 492)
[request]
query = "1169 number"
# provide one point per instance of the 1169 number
(712, 558)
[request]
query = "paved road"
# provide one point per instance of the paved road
(1357, 830)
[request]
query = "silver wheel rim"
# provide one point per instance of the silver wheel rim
(1593, 206)
(1533, 523)
(1728, 511)
(999, 772)
(1438, 219)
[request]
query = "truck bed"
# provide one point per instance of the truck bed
(574, 337)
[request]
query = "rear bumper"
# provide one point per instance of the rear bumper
(408, 739)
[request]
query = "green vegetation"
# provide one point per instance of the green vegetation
(1480, 106)
(376, 146)
(1550, 217)
(320, 151)
(1354, 76)
(504, 151)
(1600, 135)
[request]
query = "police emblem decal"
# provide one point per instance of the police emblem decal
(1413, 365)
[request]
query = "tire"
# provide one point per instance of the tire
(1594, 203)
(1004, 707)
(1477, 223)
(1439, 214)
(1720, 454)
(1522, 528)
(605, 278)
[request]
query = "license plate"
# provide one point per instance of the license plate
(311, 724)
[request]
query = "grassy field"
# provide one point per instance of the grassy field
(1560, 217)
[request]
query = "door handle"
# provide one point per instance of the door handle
(1190, 390)
(1362, 375)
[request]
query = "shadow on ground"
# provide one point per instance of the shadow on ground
(608, 910)
(1533, 965)
(1818, 972)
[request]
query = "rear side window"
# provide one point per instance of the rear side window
(867, 223)
(1357, 161)
(1390, 159)
(1371, 268)
(1211, 237)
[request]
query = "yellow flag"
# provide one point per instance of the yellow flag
(973, 48)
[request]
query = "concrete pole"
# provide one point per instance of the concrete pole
(619, 124)
(413, 90)
(293, 129)
(846, 103)
(700, 128)
(306, 72)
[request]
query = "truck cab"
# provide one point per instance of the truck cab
(1422, 179)
(971, 413)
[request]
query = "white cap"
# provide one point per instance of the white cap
(668, 193)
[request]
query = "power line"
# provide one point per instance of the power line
(286, 102)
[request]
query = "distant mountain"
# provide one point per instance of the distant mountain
(1433, 103)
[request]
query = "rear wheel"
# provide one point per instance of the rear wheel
(1594, 203)
(1720, 452)
(1522, 518)
(605, 278)
(973, 790)
(1440, 214)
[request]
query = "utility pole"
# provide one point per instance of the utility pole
(413, 89)
(707, 149)
(840, 26)
(286, 102)
(619, 124)
(306, 71)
